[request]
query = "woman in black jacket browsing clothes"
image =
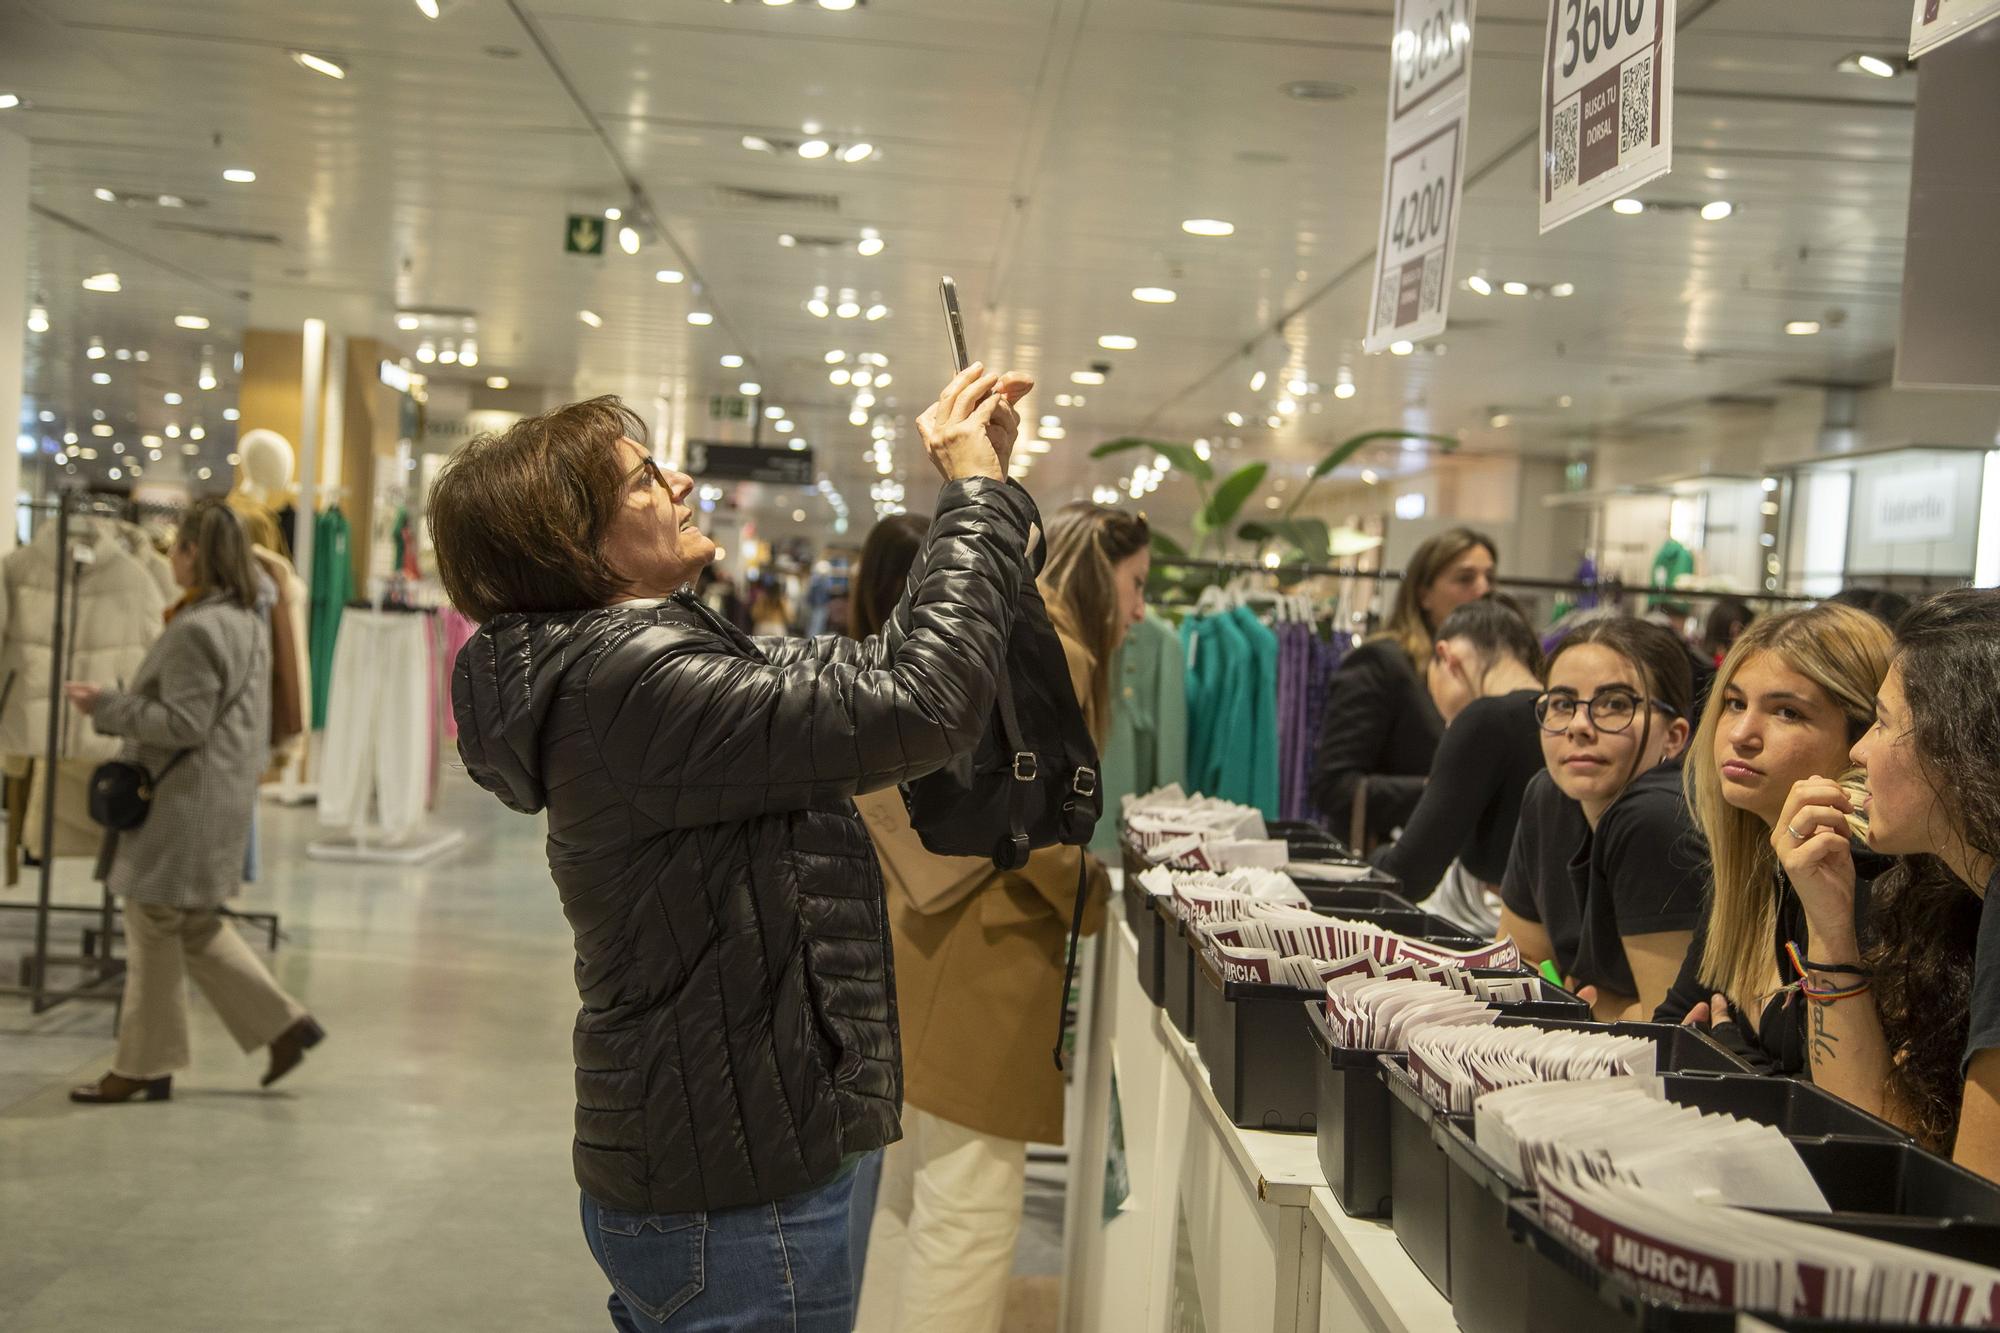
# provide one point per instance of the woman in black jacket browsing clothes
(736, 1051)
(1381, 728)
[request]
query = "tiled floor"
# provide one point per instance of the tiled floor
(413, 1175)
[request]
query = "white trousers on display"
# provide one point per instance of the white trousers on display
(378, 725)
(946, 1221)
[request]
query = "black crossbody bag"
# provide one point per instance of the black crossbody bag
(121, 793)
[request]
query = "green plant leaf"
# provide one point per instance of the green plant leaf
(1346, 449)
(1167, 548)
(1230, 497)
(1182, 456)
(1256, 533)
(1309, 538)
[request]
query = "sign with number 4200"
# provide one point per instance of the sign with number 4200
(1419, 221)
(1607, 102)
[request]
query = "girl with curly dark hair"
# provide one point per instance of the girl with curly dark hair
(1933, 796)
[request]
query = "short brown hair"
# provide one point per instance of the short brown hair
(520, 518)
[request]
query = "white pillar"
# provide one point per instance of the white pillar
(312, 368)
(13, 317)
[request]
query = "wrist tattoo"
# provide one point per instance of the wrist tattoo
(1823, 1042)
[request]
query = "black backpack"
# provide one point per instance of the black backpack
(1032, 781)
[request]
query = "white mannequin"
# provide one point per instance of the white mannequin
(266, 474)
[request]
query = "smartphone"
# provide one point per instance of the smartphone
(954, 324)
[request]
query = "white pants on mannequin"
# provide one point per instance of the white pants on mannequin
(946, 1221)
(378, 732)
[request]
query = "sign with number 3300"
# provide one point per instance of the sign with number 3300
(1607, 115)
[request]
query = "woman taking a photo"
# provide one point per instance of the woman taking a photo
(1381, 729)
(1484, 678)
(736, 1049)
(1606, 872)
(979, 977)
(1933, 794)
(198, 717)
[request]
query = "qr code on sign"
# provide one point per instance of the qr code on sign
(1635, 104)
(1433, 280)
(1562, 144)
(1388, 302)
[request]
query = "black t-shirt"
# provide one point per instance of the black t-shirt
(1985, 1035)
(1640, 872)
(1778, 1035)
(1471, 806)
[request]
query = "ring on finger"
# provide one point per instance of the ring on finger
(1796, 835)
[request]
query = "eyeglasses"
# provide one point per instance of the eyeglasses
(647, 465)
(1610, 711)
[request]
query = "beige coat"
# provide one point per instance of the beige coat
(979, 967)
(115, 615)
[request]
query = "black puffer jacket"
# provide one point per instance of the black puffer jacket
(738, 1031)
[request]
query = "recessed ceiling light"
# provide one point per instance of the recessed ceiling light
(1155, 295)
(426, 353)
(847, 309)
(785, 426)
(1258, 381)
(1401, 348)
(818, 308)
(835, 358)
(1500, 421)
(95, 351)
(1716, 210)
(1234, 418)
(429, 8)
(1802, 328)
(750, 389)
(1514, 288)
(231, 414)
(239, 175)
(102, 282)
(870, 246)
(1086, 377)
(836, 4)
(813, 149)
(669, 275)
(105, 196)
(1628, 206)
(1208, 227)
(1563, 289)
(407, 323)
(756, 143)
(838, 377)
(10, 101)
(878, 311)
(590, 317)
(333, 69)
(1344, 389)
(103, 430)
(1118, 342)
(101, 377)
(1866, 62)
(628, 239)
(1479, 284)
(732, 362)
(701, 319)
(38, 319)
(497, 381)
(191, 321)
(857, 152)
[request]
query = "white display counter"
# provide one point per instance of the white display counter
(1223, 1229)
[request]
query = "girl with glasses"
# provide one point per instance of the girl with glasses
(1605, 876)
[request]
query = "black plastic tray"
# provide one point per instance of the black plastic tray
(1495, 1283)
(1570, 1292)
(1428, 1190)
(1150, 928)
(1351, 1107)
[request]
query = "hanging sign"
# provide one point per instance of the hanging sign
(745, 462)
(1430, 85)
(1607, 121)
(1935, 22)
(1913, 507)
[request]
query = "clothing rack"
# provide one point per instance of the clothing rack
(94, 956)
(1610, 588)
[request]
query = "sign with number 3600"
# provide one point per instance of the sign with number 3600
(1607, 117)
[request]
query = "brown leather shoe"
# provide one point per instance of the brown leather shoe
(115, 1088)
(290, 1048)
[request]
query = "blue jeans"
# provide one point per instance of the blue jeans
(771, 1268)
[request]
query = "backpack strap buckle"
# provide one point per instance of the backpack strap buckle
(1085, 782)
(1026, 769)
